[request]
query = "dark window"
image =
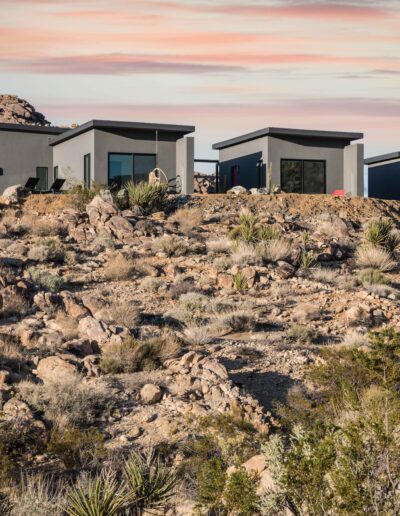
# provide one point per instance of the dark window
(55, 173)
(260, 168)
(42, 175)
(234, 176)
(1, 172)
(303, 176)
(143, 165)
(86, 171)
(120, 169)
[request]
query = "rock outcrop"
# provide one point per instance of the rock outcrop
(14, 110)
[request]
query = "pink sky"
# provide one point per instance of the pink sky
(226, 66)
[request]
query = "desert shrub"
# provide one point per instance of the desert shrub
(380, 234)
(300, 333)
(125, 313)
(342, 454)
(187, 219)
(77, 448)
(276, 249)
(97, 496)
(146, 197)
(16, 305)
(236, 321)
(354, 339)
(6, 505)
(10, 224)
(245, 254)
(46, 280)
(211, 478)
(371, 257)
(240, 282)
(41, 226)
(383, 291)
(133, 355)
(79, 196)
(37, 495)
(68, 402)
(194, 302)
(372, 277)
(150, 284)
(324, 274)
(220, 246)
(170, 245)
(306, 259)
(46, 250)
(199, 335)
(11, 352)
(240, 494)
(119, 268)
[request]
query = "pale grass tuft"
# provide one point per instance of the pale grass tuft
(170, 245)
(41, 226)
(245, 254)
(369, 256)
(188, 219)
(220, 246)
(125, 313)
(324, 274)
(119, 268)
(37, 495)
(354, 339)
(276, 249)
(198, 335)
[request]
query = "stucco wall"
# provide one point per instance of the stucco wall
(281, 149)
(244, 149)
(185, 164)
(21, 153)
(120, 141)
(68, 156)
(353, 169)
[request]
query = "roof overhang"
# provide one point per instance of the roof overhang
(381, 158)
(129, 126)
(284, 132)
(38, 129)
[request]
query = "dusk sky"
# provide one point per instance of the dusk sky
(226, 66)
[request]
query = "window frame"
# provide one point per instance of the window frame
(133, 154)
(142, 154)
(87, 179)
(47, 179)
(302, 161)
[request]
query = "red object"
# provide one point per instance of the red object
(339, 193)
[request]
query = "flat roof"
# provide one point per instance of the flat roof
(382, 157)
(33, 128)
(282, 131)
(110, 124)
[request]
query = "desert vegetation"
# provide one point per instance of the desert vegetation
(225, 355)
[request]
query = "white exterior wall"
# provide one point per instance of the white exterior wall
(68, 157)
(185, 164)
(244, 149)
(353, 171)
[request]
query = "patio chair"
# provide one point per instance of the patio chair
(57, 185)
(32, 183)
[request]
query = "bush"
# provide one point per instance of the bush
(146, 197)
(125, 313)
(380, 234)
(211, 478)
(42, 226)
(46, 280)
(300, 334)
(46, 250)
(369, 256)
(79, 196)
(240, 494)
(245, 254)
(372, 277)
(194, 302)
(37, 495)
(220, 246)
(324, 274)
(188, 219)
(77, 448)
(170, 245)
(119, 268)
(277, 249)
(240, 282)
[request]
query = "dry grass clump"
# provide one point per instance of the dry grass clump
(305, 312)
(14, 305)
(194, 302)
(37, 495)
(45, 279)
(236, 321)
(188, 219)
(47, 250)
(300, 334)
(41, 226)
(324, 274)
(220, 246)
(354, 339)
(245, 254)
(132, 355)
(372, 277)
(383, 291)
(10, 223)
(119, 268)
(11, 351)
(199, 335)
(371, 257)
(69, 401)
(150, 284)
(169, 245)
(125, 313)
(276, 249)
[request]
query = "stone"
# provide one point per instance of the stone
(17, 409)
(72, 306)
(121, 228)
(150, 394)
(55, 369)
(12, 194)
(93, 329)
(238, 190)
(284, 270)
(14, 110)
(81, 347)
(100, 209)
(225, 280)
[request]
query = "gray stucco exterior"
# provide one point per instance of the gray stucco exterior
(343, 161)
(23, 148)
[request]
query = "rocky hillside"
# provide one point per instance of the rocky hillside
(182, 330)
(14, 110)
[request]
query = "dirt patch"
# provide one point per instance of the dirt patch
(46, 203)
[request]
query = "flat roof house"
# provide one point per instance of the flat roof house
(384, 176)
(103, 151)
(302, 161)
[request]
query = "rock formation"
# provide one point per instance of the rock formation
(14, 110)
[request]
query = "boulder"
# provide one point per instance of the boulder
(100, 209)
(121, 228)
(93, 329)
(17, 409)
(150, 394)
(55, 369)
(72, 306)
(12, 194)
(238, 190)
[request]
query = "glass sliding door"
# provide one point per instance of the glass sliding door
(42, 174)
(291, 176)
(314, 177)
(86, 171)
(120, 169)
(143, 165)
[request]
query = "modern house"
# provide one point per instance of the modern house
(384, 176)
(300, 160)
(103, 151)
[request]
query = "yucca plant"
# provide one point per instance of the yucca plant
(247, 219)
(100, 496)
(147, 197)
(373, 277)
(240, 281)
(306, 259)
(267, 233)
(380, 234)
(149, 483)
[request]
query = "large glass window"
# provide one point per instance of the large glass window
(42, 175)
(120, 169)
(86, 170)
(303, 176)
(143, 165)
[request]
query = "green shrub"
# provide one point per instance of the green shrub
(46, 250)
(240, 494)
(240, 282)
(306, 259)
(266, 232)
(380, 234)
(210, 483)
(46, 280)
(79, 196)
(372, 277)
(147, 197)
(170, 245)
(300, 333)
(77, 448)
